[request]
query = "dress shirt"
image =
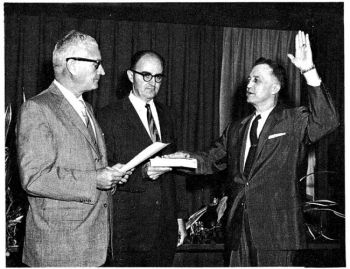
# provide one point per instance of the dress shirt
(261, 124)
(75, 102)
(140, 107)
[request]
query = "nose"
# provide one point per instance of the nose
(100, 70)
(250, 84)
(153, 81)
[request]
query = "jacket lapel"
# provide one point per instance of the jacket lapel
(162, 123)
(99, 135)
(133, 118)
(70, 115)
(271, 121)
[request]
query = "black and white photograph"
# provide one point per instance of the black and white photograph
(174, 134)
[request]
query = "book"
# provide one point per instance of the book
(188, 163)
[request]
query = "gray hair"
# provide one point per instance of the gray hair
(67, 46)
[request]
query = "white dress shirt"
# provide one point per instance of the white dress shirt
(140, 107)
(261, 124)
(75, 102)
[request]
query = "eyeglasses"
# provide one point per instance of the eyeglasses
(148, 76)
(97, 62)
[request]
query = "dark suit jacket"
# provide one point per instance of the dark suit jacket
(67, 220)
(271, 190)
(141, 204)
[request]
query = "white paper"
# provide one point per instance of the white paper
(169, 162)
(144, 155)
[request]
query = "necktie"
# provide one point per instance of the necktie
(87, 121)
(151, 125)
(253, 145)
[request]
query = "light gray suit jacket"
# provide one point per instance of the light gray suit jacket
(67, 222)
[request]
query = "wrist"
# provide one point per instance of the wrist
(312, 78)
(303, 71)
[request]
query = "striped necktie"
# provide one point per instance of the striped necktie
(151, 125)
(87, 121)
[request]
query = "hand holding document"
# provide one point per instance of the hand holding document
(143, 155)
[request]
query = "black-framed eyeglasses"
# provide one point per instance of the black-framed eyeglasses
(148, 76)
(97, 62)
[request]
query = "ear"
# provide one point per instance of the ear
(71, 67)
(276, 88)
(130, 75)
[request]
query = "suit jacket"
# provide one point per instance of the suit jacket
(271, 190)
(67, 220)
(141, 206)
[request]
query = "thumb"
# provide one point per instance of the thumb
(291, 57)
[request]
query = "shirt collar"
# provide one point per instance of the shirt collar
(264, 114)
(138, 102)
(67, 93)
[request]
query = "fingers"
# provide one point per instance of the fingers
(177, 155)
(117, 176)
(291, 57)
(300, 40)
(154, 172)
(117, 166)
(307, 41)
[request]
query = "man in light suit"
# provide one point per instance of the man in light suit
(63, 163)
(263, 155)
(148, 210)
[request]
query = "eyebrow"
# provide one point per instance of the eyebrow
(146, 72)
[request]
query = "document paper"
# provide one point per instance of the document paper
(144, 155)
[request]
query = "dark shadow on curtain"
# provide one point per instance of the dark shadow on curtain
(124, 86)
(240, 102)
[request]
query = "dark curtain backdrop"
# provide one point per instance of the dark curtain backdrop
(241, 48)
(194, 56)
(193, 60)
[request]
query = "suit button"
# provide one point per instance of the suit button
(247, 183)
(105, 205)
(157, 202)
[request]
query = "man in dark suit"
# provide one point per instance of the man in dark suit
(148, 210)
(63, 164)
(264, 154)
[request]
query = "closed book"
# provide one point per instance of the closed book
(188, 163)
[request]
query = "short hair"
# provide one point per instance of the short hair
(68, 45)
(278, 70)
(138, 55)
